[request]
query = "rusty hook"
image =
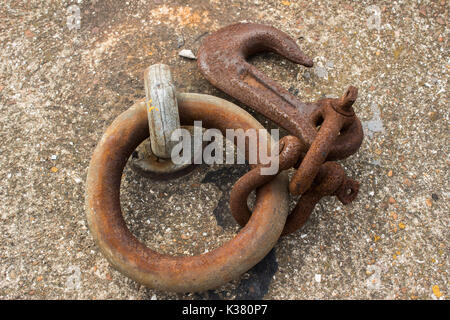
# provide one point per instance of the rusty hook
(221, 59)
(326, 130)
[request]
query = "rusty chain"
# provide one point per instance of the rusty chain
(324, 131)
(330, 180)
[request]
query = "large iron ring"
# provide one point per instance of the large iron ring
(176, 273)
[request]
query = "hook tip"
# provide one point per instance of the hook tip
(308, 62)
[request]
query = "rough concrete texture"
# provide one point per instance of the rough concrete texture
(60, 88)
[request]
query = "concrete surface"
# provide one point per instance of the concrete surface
(60, 88)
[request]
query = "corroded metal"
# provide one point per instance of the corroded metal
(156, 270)
(329, 180)
(322, 131)
(336, 118)
(221, 59)
(327, 129)
(289, 150)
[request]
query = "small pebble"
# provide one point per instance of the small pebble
(54, 157)
(318, 277)
(187, 54)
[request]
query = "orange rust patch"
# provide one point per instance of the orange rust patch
(248, 79)
(182, 16)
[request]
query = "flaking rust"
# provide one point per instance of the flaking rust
(321, 132)
(326, 130)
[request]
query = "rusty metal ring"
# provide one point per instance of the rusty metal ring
(174, 273)
(289, 152)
